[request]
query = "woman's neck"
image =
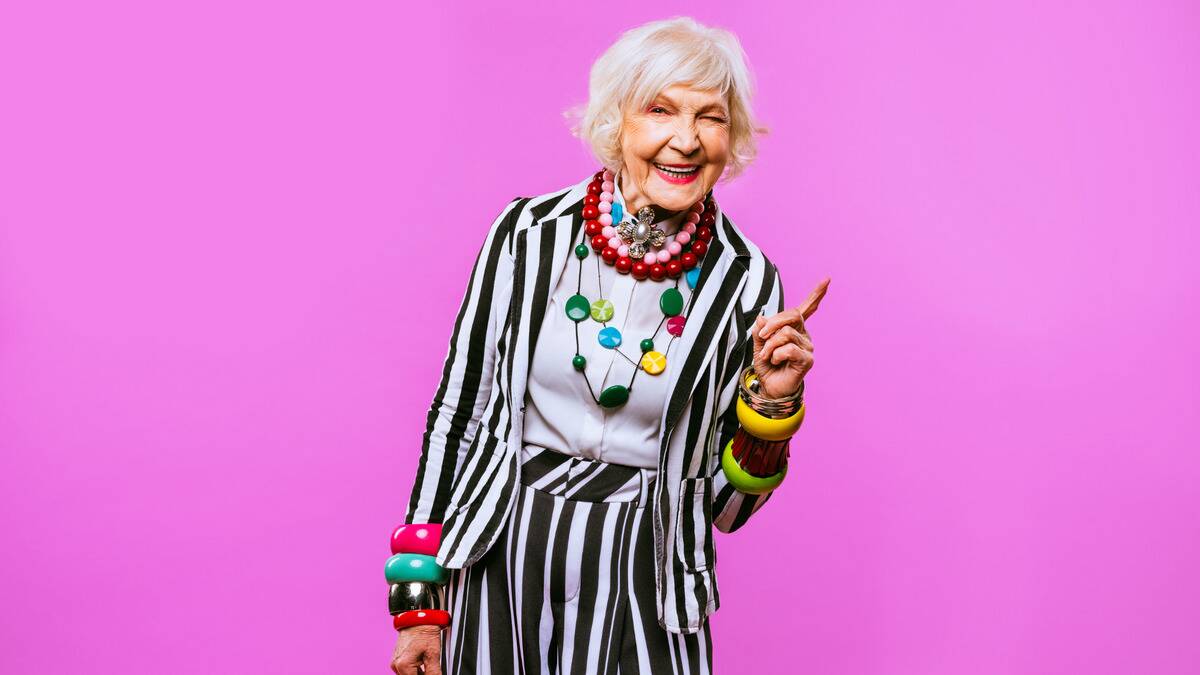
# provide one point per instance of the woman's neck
(635, 200)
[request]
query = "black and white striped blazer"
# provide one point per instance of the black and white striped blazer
(469, 463)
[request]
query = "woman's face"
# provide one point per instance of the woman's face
(675, 150)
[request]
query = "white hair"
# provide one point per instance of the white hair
(649, 59)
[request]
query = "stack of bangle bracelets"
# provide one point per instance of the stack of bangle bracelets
(416, 582)
(755, 459)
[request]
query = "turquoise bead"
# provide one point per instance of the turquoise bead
(692, 276)
(404, 567)
(671, 301)
(609, 338)
(614, 396)
(617, 212)
(578, 307)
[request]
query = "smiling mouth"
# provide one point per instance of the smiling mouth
(678, 170)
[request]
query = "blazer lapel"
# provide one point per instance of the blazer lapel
(722, 276)
(540, 257)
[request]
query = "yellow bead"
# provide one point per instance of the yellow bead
(654, 362)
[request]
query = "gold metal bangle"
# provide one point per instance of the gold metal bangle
(775, 408)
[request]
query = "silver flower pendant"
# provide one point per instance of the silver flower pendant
(641, 233)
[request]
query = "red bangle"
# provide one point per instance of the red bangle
(758, 457)
(421, 617)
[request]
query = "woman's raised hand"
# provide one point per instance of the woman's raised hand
(783, 349)
(418, 646)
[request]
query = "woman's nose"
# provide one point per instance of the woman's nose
(686, 139)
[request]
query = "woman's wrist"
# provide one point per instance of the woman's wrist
(755, 459)
(771, 405)
(770, 419)
(416, 582)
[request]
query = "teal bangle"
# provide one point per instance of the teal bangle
(405, 567)
(746, 482)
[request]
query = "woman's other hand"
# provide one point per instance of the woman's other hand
(418, 646)
(783, 349)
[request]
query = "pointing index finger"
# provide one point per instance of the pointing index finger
(809, 307)
(795, 316)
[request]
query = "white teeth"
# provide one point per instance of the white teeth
(677, 172)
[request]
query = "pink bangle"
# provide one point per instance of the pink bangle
(422, 538)
(421, 617)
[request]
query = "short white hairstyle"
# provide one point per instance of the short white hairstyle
(653, 57)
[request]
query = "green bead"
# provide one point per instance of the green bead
(614, 396)
(671, 301)
(579, 362)
(578, 307)
(602, 310)
(581, 251)
(647, 345)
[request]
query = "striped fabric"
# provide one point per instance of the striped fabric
(583, 479)
(469, 469)
(568, 588)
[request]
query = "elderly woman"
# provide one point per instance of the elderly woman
(622, 376)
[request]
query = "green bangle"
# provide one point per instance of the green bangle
(405, 567)
(743, 481)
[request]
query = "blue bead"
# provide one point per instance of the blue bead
(692, 276)
(609, 338)
(617, 212)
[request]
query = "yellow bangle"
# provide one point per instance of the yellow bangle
(761, 426)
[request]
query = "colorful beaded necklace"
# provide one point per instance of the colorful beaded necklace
(625, 245)
(670, 302)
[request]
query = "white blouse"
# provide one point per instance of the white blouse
(560, 413)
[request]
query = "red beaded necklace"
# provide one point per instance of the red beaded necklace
(624, 244)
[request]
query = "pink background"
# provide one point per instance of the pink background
(218, 334)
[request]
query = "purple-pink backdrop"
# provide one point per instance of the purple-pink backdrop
(234, 236)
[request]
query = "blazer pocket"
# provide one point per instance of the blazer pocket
(693, 524)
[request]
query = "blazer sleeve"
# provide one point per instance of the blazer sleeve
(731, 508)
(467, 374)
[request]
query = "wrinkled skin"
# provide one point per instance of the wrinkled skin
(682, 126)
(783, 349)
(416, 647)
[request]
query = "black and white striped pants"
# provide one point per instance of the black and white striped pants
(568, 588)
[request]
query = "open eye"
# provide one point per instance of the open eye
(657, 109)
